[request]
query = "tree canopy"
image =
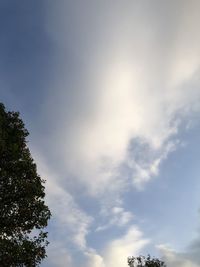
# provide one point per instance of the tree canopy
(23, 213)
(142, 261)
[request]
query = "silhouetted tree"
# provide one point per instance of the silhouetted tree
(142, 261)
(23, 213)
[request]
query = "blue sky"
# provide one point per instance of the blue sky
(110, 93)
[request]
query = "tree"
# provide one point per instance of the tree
(142, 261)
(23, 213)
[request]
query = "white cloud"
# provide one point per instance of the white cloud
(139, 79)
(118, 250)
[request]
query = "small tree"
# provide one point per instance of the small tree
(142, 261)
(23, 213)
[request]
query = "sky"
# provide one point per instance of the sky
(110, 94)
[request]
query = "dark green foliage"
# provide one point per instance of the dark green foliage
(142, 261)
(23, 213)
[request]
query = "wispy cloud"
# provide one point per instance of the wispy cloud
(116, 216)
(144, 161)
(72, 223)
